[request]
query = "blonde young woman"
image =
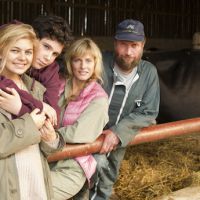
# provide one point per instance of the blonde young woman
(24, 170)
(84, 111)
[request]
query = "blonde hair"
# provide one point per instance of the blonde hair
(9, 35)
(78, 49)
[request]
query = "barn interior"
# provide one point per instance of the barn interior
(151, 170)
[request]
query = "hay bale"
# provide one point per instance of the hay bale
(154, 169)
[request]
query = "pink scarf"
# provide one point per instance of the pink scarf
(71, 114)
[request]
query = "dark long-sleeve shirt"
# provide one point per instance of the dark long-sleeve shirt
(49, 77)
(29, 103)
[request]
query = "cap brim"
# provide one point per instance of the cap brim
(129, 37)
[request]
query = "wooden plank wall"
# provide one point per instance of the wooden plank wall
(23, 10)
(162, 18)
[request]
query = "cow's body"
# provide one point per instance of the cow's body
(179, 74)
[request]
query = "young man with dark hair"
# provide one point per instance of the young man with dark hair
(54, 35)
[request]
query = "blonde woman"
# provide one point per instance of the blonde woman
(84, 110)
(24, 170)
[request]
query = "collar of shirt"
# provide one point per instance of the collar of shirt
(121, 78)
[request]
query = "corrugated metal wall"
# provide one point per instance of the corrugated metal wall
(162, 18)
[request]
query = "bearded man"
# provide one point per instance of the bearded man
(134, 95)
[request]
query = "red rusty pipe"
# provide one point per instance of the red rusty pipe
(166, 130)
(148, 134)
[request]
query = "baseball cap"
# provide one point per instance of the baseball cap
(130, 30)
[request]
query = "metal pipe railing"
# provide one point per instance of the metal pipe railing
(148, 134)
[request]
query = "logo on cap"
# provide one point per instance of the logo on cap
(130, 28)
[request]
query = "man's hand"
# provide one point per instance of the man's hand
(51, 113)
(38, 118)
(10, 102)
(48, 133)
(110, 141)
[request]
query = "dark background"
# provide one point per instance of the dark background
(172, 19)
(169, 27)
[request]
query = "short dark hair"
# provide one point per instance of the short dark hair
(52, 27)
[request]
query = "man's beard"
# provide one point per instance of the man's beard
(125, 66)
